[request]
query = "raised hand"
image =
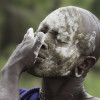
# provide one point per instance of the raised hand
(23, 58)
(26, 52)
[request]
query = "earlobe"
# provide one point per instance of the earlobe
(83, 65)
(77, 74)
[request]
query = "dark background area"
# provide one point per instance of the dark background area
(16, 16)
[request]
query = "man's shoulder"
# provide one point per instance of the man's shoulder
(95, 98)
(92, 98)
(31, 94)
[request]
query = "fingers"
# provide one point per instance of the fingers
(29, 34)
(39, 40)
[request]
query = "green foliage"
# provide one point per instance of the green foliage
(92, 84)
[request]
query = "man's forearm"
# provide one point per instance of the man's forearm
(9, 87)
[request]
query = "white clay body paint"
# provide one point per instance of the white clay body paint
(64, 48)
(92, 41)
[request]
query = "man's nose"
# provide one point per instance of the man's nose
(44, 46)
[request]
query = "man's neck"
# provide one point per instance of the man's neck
(62, 88)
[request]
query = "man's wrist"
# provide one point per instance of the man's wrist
(11, 70)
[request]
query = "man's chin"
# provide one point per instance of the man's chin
(47, 73)
(48, 68)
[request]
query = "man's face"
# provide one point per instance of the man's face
(59, 52)
(64, 43)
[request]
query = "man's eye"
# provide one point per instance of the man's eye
(60, 41)
(44, 29)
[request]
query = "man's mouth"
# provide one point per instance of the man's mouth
(41, 56)
(38, 60)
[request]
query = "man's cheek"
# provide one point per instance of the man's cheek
(64, 52)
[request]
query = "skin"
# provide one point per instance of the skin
(59, 79)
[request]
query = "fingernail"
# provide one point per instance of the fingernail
(30, 30)
(30, 33)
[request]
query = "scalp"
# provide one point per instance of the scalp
(91, 24)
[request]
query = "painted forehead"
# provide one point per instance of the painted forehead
(61, 20)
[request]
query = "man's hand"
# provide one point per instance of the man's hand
(25, 54)
(23, 58)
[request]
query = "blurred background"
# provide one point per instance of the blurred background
(16, 16)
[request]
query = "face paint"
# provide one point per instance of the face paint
(66, 41)
(91, 43)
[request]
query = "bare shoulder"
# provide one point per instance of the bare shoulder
(95, 98)
(92, 98)
(87, 96)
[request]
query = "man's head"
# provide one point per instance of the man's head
(71, 36)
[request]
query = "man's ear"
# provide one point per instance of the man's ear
(83, 65)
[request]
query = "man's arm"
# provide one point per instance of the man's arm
(22, 58)
(9, 85)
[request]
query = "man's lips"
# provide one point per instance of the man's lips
(38, 59)
(41, 56)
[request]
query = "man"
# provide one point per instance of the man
(70, 45)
